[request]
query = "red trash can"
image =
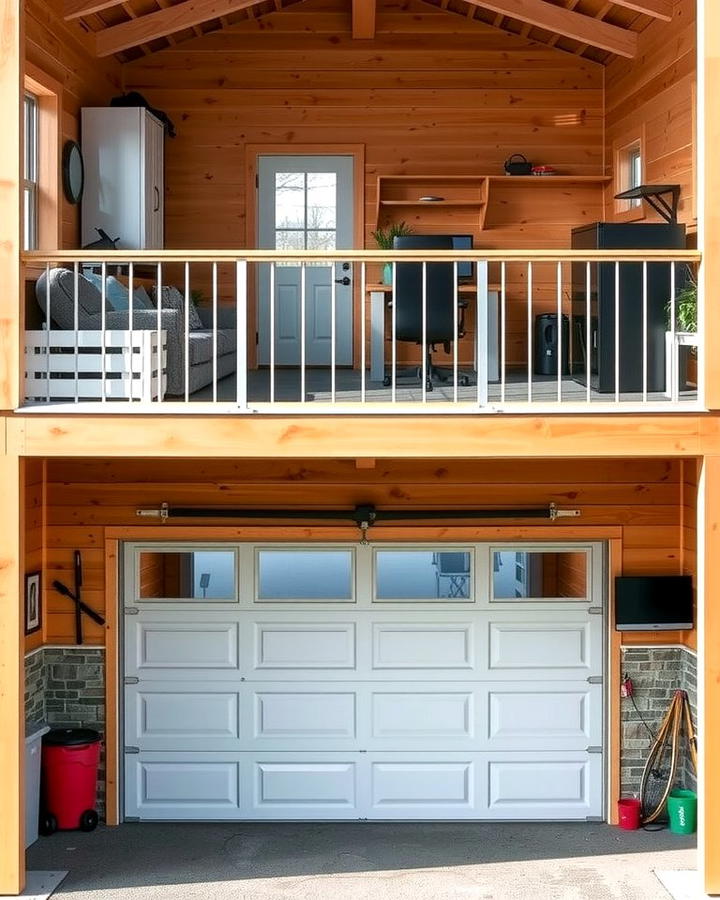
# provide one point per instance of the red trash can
(70, 758)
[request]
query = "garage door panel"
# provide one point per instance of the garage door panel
(422, 788)
(183, 786)
(544, 716)
(544, 786)
(183, 716)
(303, 787)
(182, 646)
(423, 645)
(296, 714)
(408, 715)
(542, 645)
(296, 645)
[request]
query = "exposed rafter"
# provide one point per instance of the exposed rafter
(567, 23)
(659, 9)
(164, 22)
(76, 9)
(363, 19)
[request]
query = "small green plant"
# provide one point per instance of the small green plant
(385, 237)
(685, 306)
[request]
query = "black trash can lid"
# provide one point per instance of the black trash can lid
(71, 737)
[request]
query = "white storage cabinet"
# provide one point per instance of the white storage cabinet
(124, 185)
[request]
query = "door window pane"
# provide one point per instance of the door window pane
(321, 199)
(539, 574)
(289, 240)
(422, 575)
(312, 575)
(321, 240)
(289, 200)
(187, 575)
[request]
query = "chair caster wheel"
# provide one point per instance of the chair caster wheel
(387, 381)
(464, 381)
(89, 820)
(47, 824)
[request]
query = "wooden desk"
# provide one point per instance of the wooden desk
(487, 331)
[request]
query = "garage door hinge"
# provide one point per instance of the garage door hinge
(595, 610)
(131, 679)
(593, 749)
(132, 749)
(595, 679)
(131, 610)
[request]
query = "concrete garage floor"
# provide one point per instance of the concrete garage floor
(363, 862)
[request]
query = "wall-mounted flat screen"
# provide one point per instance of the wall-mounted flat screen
(653, 602)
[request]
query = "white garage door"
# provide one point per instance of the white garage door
(357, 682)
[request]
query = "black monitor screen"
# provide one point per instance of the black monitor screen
(463, 242)
(653, 603)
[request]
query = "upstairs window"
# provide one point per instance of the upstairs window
(31, 185)
(629, 173)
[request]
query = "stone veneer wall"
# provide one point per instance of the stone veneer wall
(65, 686)
(656, 672)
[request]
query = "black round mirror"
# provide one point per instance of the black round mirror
(73, 172)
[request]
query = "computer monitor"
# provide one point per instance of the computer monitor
(465, 269)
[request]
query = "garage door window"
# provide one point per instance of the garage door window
(539, 575)
(187, 575)
(423, 575)
(310, 576)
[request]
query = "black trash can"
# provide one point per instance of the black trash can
(546, 345)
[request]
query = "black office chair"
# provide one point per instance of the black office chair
(440, 298)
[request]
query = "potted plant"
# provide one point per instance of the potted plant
(685, 328)
(385, 238)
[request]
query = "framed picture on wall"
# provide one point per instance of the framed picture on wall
(33, 603)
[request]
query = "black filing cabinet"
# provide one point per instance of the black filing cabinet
(603, 339)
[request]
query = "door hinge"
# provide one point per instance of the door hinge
(132, 749)
(595, 679)
(595, 610)
(257, 181)
(131, 610)
(131, 679)
(593, 749)
(131, 819)
(257, 338)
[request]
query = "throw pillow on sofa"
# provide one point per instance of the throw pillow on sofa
(173, 299)
(117, 294)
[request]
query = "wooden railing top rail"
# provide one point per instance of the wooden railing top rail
(36, 257)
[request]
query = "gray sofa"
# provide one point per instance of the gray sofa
(59, 285)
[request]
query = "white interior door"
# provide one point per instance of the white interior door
(356, 682)
(305, 203)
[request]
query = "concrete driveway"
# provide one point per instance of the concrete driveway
(363, 861)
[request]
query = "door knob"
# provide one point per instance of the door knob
(345, 281)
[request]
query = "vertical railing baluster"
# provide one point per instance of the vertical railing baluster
(423, 392)
(455, 331)
(131, 386)
(560, 347)
(503, 320)
(529, 330)
(103, 332)
(645, 330)
(241, 323)
(393, 379)
(47, 332)
(333, 330)
(215, 331)
(617, 331)
(481, 328)
(76, 326)
(187, 331)
(303, 328)
(272, 332)
(363, 328)
(158, 328)
(588, 331)
(674, 349)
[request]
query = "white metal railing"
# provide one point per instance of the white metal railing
(303, 332)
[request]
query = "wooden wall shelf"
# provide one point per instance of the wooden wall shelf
(396, 192)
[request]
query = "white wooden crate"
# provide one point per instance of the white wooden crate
(71, 365)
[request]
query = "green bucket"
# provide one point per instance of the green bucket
(682, 810)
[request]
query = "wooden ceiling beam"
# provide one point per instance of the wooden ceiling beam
(658, 9)
(567, 23)
(164, 22)
(363, 19)
(76, 9)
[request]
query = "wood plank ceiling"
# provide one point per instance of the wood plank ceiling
(597, 29)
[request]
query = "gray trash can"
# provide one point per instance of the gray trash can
(34, 732)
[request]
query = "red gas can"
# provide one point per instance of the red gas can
(70, 759)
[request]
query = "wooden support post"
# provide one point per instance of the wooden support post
(12, 728)
(709, 672)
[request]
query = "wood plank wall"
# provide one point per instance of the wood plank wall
(434, 93)
(642, 497)
(655, 94)
(64, 53)
(35, 535)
